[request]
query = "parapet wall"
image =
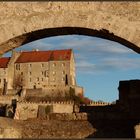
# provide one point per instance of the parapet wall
(54, 91)
(96, 103)
(27, 110)
(7, 99)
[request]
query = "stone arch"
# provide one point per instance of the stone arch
(39, 34)
(29, 21)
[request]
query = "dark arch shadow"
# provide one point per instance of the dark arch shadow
(49, 32)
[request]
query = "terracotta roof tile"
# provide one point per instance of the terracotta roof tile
(44, 56)
(4, 62)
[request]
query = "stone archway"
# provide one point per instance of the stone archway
(24, 22)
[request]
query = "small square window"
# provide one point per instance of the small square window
(63, 64)
(63, 72)
(63, 79)
(54, 72)
(17, 66)
(54, 64)
(4, 72)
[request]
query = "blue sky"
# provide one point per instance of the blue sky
(100, 63)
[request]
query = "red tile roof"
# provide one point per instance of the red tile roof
(4, 62)
(44, 56)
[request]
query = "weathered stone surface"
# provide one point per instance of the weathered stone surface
(137, 131)
(24, 22)
(44, 129)
(9, 128)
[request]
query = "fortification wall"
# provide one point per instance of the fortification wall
(67, 116)
(96, 103)
(7, 99)
(54, 91)
(27, 110)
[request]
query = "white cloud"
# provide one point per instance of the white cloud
(93, 55)
(41, 45)
(123, 64)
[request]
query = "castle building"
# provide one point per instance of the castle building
(38, 70)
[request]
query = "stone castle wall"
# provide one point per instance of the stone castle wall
(27, 110)
(54, 91)
(7, 99)
(96, 103)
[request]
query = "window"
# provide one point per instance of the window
(42, 65)
(0, 80)
(4, 72)
(63, 64)
(63, 72)
(54, 72)
(21, 73)
(17, 66)
(46, 73)
(30, 73)
(63, 79)
(30, 65)
(30, 79)
(42, 73)
(37, 78)
(54, 64)
(42, 79)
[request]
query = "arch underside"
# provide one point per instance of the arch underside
(49, 32)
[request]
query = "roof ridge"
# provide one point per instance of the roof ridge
(44, 56)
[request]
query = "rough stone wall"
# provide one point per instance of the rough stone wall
(59, 108)
(7, 99)
(67, 116)
(119, 18)
(137, 131)
(48, 129)
(27, 110)
(54, 91)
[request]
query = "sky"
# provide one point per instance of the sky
(100, 63)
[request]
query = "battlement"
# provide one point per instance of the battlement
(97, 103)
(27, 110)
(46, 103)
